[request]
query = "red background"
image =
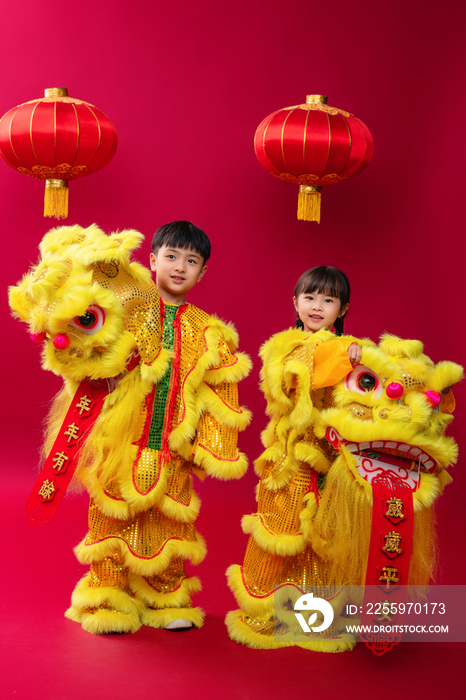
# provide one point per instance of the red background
(186, 85)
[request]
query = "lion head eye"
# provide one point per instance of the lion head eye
(367, 381)
(362, 379)
(91, 321)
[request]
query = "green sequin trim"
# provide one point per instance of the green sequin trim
(161, 391)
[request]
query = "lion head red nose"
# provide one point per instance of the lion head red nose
(394, 390)
(61, 341)
(433, 397)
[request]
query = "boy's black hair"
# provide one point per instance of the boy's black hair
(325, 280)
(182, 234)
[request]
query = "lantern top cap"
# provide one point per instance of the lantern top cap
(56, 92)
(316, 99)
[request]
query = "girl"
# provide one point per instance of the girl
(298, 365)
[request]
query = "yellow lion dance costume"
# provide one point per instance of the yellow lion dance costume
(137, 460)
(382, 423)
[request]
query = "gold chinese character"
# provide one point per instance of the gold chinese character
(385, 610)
(72, 432)
(59, 460)
(84, 404)
(389, 575)
(47, 490)
(395, 506)
(393, 539)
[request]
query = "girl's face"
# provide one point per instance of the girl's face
(318, 310)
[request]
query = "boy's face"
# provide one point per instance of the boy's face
(177, 271)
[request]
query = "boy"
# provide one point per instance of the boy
(141, 524)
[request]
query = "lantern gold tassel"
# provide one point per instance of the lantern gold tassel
(56, 198)
(309, 203)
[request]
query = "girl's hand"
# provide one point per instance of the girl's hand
(354, 354)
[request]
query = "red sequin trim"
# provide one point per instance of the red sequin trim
(235, 410)
(220, 459)
(137, 556)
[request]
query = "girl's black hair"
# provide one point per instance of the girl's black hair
(325, 280)
(182, 234)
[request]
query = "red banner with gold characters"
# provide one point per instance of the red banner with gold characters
(60, 465)
(388, 562)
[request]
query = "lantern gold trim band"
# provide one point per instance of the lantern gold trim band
(56, 198)
(309, 203)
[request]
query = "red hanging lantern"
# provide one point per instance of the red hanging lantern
(56, 139)
(313, 145)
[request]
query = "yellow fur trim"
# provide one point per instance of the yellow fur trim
(302, 415)
(238, 371)
(274, 352)
(85, 597)
(104, 621)
(287, 471)
(307, 515)
(444, 479)
(110, 507)
(179, 598)
(256, 607)
(446, 374)
(313, 455)
(268, 435)
(241, 633)
(392, 345)
(221, 468)
(282, 545)
(428, 491)
(137, 501)
(152, 373)
(195, 393)
(161, 618)
(180, 511)
(225, 330)
(237, 418)
(194, 551)
(99, 247)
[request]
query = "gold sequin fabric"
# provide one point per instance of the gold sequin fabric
(145, 535)
(360, 411)
(111, 571)
(159, 533)
(305, 355)
(278, 553)
(280, 509)
(140, 303)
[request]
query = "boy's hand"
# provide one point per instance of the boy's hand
(354, 354)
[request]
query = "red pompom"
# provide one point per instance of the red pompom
(61, 341)
(37, 337)
(394, 390)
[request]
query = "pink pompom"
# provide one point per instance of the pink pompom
(37, 337)
(433, 397)
(394, 390)
(61, 341)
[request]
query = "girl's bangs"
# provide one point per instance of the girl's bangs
(322, 281)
